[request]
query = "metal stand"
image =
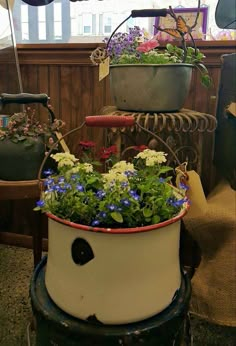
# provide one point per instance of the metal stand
(183, 131)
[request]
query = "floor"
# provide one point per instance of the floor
(15, 311)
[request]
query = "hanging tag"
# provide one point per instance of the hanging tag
(104, 68)
(198, 202)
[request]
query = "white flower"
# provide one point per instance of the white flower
(87, 167)
(112, 177)
(122, 166)
(152, 157)
(64, 156)
(65, 162)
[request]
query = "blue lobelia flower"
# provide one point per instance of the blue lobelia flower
(48, 182)
(111, 207)
(124, 184)
(102, 214)
(134, 195)
(95, 223)
(48, 171)
(79, 187)
(125, 202)
(61, 180)
(183, 186)
(40, 203)
(100, 194)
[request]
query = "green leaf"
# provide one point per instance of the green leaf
(91, 180)
(169, 47)
(147, 212)
(164, 169)
(28, 143)
(206, 81)
(155, 219)
(37, 208)
(21, 138)
(117, 216)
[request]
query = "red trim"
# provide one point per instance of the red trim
(120, 230)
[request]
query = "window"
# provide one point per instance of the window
(107, 20)
(24, 23)
(87, 23)
(57, 20)
(91, 20)
(41, 23)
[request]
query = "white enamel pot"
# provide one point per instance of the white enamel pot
(115, 276)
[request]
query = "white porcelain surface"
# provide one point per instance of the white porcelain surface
(132, 276)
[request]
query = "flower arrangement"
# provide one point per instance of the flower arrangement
(24, 127)
(137, 47)
(129, 194)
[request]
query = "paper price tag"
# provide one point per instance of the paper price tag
(198, 206)
(104, 68)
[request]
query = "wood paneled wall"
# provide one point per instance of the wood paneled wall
(65, 73)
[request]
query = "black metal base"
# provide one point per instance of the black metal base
(55, 327)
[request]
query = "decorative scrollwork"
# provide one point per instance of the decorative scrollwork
(98, 55)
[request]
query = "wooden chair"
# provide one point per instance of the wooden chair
(28, 189)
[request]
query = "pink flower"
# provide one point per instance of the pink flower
(224, 35)
(147, 46)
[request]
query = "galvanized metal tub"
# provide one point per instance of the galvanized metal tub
(150, 88)
(55, 327)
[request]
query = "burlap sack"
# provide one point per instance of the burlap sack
(214, 282)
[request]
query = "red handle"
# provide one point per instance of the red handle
(109, 121)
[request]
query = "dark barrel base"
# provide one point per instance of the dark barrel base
(55, 327)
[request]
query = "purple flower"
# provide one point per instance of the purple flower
(74, 176)
(49, 189)
(125, 202)
(183, 186)
(56, 188)
(67, 186)
(102, 214)
(40, 203)
(100, 194)
(95, 223)
(61, 180)
(79, 187)
(176, 202)
(111, 207)
(48, 172)
(124, 184)
(48, 182)
(134, 195)
(129, 173)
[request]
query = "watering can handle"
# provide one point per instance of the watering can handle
(149, 13)
(25, 98)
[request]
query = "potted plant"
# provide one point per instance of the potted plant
(113, 241)
(143, 76)
(23, 143)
